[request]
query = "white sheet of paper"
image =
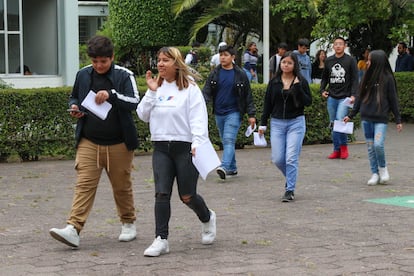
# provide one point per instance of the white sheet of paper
(206, 159)
(348, 103)
(100, 110)
(250, 130)
(341, 126)
(259, 140)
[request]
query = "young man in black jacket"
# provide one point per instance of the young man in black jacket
(102, 143)
(229, 90)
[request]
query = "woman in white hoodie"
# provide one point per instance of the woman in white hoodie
(175, 109)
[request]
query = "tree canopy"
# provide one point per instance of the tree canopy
(140, 26)
(378, 24)
(375, 23)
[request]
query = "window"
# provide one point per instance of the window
(11, 37)
(88, 26)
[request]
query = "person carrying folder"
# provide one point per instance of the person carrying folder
(102, 143)
(339, 81)
(376, 98)
(228, 89)
(177, 115)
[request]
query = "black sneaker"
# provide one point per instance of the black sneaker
(231, 174)
(288, 196)
(221, 173)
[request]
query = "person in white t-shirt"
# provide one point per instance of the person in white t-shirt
(215, 59)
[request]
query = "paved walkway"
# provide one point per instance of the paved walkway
(330, 229)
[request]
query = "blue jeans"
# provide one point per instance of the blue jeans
(337, 110)
(375, 138)
(286, 137)
(228, 127)
(250, 76)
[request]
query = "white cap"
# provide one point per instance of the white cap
(221, 44)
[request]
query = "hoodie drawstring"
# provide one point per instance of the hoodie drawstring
(107, 157)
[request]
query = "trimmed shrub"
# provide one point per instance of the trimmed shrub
(34, 123)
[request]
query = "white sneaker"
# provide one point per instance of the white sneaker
(67, 235)
(128, 232)
(159, 246)
(373, 180)
(383, 174)
(208, 229)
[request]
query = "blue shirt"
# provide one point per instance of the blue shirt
(226, 100)
(305, 65)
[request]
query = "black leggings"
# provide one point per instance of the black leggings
(172, 160)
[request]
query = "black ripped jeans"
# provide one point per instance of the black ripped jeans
(172, 160)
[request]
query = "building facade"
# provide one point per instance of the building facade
(43, 36)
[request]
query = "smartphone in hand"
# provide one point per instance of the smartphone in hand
(77, 111)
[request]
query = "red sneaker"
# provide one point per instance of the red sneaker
(335, 155)
(344, 152)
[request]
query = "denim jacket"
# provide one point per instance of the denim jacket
(241, 88)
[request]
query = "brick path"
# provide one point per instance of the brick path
(330, 229)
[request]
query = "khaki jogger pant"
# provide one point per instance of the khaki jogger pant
(91, 159)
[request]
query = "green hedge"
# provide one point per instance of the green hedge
(405, 87)
(34, 122)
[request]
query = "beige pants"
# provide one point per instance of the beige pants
(91, 159)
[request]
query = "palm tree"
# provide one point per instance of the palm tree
(289, 20)
(240, 18)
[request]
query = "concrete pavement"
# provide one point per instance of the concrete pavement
(332, 228)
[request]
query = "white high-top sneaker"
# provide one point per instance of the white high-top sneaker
(67, 235)
(128, 232)
(383, 174)
(208, 229)
(373, 180)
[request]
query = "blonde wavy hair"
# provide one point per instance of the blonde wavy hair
(184, 74)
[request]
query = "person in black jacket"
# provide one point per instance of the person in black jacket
(376, 98)
(405, 61)
(228, 88)
(287, 94)
(103, 143)
(318, 66)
